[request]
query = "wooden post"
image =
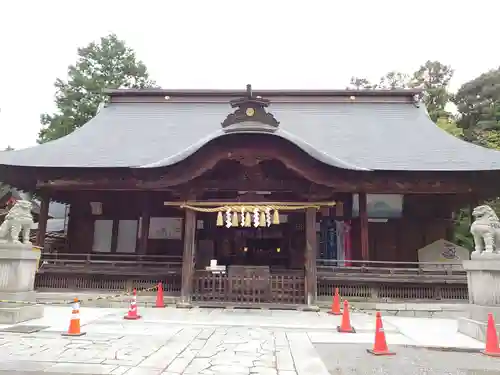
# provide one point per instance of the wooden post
(363, 217)
(188, 258)
(145, 222)
(311, 252)
(42, 220)
(473, 203)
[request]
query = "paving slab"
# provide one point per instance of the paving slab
(211, 341)
(352, 359)
(318, 321)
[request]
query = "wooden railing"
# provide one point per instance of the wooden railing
(91, 263)
(281, 287)
(362, 280)
(108, 271)
(387, 281)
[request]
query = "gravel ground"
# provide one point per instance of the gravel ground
(352, 359)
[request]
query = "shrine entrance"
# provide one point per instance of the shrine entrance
(243, 261)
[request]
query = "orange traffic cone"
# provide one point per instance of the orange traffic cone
(345, 325)
(132, 311)
(380, 345)
(74, 324)
(159, 296)
(335, 309)
(492, 347)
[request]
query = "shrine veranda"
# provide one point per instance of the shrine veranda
(294, 192)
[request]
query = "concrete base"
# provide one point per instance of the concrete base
(13, 314)
(18, 263)
(13, 297)
(309, 308)
(483, 281)
(184, 305)
(474, 328)
(474, 325)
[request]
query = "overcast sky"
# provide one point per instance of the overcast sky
(227, 44)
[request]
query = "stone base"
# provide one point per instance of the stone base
(13, 314)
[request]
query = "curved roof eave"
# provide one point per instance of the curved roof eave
(304, 146)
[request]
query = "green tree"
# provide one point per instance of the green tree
(434, 77)
(390, 81)
(394, 80)
(109, 64)
(478, 104)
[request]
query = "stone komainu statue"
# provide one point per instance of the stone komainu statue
(19, 219)
(485, 230)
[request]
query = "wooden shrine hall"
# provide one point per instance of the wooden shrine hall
(247, 196)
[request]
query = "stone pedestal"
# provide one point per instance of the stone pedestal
(483, 281)
(18, 264)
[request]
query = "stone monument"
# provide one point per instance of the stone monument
(18, 264)
(443, 255)
(483, 274)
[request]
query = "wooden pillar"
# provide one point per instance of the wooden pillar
(473, 203)
(145, 222)
(311, 252)
(188, 258)
(42, 220)
(363, 218)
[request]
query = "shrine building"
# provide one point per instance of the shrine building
(265, 196)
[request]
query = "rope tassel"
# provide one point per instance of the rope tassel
(248, 220)
(276, 217)
(262, 222)
(235, 219)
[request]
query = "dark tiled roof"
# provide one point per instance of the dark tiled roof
(364, 136)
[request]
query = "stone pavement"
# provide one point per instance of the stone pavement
(212, 341)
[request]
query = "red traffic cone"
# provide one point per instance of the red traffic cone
(492, 347)
(345, 325)
(380, 345)
(132, 311)
(74, 324)
(159, 296)
(335, 309)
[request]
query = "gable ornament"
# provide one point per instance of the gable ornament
(250, 114)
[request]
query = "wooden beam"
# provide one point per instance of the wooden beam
(188, 258)
(372, 184)
(42, 219)
(311, 252)
(363, 217)
(145, 223)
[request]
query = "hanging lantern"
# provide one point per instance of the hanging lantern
(262, 221)
(268, 216)
(276, 217)
(220, 220)
(256, 217)
(248, 220)
(228, 218)
(242, 221)
(234, 223)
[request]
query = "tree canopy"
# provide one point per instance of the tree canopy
(108, 64)
(432, 76)
(478, 104)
